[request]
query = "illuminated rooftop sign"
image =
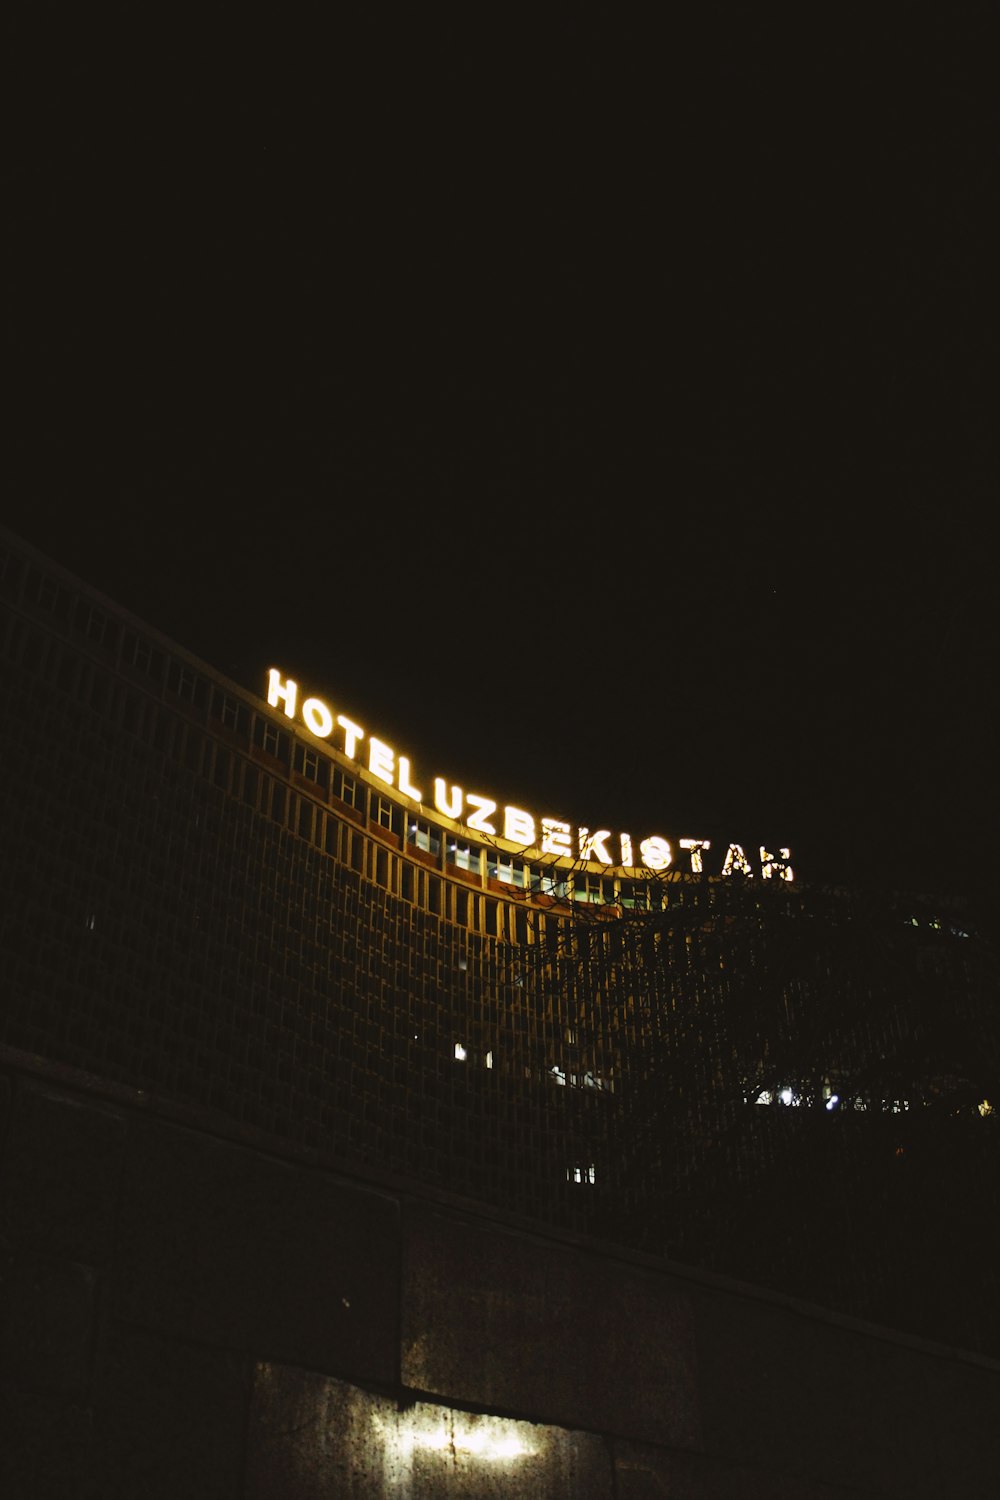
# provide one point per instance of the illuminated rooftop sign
(508, 827)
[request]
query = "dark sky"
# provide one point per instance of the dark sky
(601, 413)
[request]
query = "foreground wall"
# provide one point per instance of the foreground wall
(187, 1314)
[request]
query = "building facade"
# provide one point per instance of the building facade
(207, 897)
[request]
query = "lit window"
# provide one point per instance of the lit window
(592, 1081)
(460, 1052)
(504, 867)
(582, 1174)
(464, 856)
(549, 884)
(423, 836)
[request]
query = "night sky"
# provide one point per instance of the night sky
(601, 414)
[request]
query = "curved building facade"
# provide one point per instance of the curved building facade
(244, 903)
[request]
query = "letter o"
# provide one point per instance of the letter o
(318, 717)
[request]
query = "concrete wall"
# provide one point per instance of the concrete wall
(185, 1314)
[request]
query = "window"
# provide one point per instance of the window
(506, 868)
(423, 836)
(586, 1174)
(307, 763)
(383, 812)
(230, 713)
(550, 883)
(183, 681)
(593, 1081)
(642, 895)
(305, 818)
(94, 624)
(593, 888)
(345, 787)
(270, 738)
(465, 856)
(250, 785)
(42, 591)
(221, 771)
(140, 654)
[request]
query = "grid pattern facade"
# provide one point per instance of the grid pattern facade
(185, 913)
(199, 902)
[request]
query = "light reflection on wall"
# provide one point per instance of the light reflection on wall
(313, 1436)
(425, 1440)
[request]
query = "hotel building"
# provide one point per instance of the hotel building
(240, 901)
